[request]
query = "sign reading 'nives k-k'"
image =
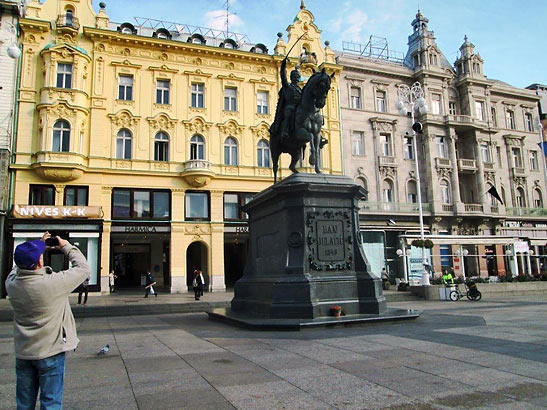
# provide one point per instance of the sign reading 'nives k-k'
(50, 211)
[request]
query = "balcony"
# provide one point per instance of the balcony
(464, 122)
(443, 162)
(473, 208)
(519, 172)
(488, 166)
(467, 165)
(448, 208)
(197, 172)
(387, 160)
(494, 209)
(68, 21)
(526, 211)
(392, 207)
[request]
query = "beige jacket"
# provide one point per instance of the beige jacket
(43, 322)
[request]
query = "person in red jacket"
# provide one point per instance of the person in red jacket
(44, 327)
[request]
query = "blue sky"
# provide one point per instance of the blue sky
(508, 34)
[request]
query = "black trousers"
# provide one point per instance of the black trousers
(82, 289)
(198, 291)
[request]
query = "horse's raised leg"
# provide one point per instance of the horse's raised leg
(275, 152)
(294, 160)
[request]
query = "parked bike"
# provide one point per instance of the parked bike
(471, 292)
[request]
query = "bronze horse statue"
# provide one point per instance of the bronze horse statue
(304, 127)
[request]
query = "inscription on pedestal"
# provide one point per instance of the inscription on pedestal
(330, 241)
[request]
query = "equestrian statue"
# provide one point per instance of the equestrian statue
(298, 120)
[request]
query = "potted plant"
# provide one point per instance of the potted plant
(336, 311)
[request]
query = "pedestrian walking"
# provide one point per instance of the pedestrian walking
(149, 288)
(111, 278)
(44, 327)
(198, 283)
(83, 288)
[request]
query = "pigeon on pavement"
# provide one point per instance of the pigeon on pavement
(104, 350)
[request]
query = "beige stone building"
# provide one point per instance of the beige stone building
(140, 141)
(479, 133)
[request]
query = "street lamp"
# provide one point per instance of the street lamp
(404, 253)
(463, 253)
(13, 50)
(411, 99)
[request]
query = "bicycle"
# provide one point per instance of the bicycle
(472, 293)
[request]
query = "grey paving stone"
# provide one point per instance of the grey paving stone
(179, 399)
(240, 378)
(154, 364)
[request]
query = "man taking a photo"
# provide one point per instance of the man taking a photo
(44, 327)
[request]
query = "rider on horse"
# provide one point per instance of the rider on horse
(289, 98)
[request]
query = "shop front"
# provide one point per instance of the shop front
(136, 249)
(81, 225)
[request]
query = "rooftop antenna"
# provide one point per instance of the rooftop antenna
(227, 16)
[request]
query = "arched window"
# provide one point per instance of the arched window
(61, 136)
(411, 192)
(446, 196)
(161, 147)
(520, 199)
(230, 151)
(197, 147)
(69, 17)
(538, 199)
(387, 190)
(363, 183)
(123, 144)
(263, 154)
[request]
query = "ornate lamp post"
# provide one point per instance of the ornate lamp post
(412, 99)
(404, 253)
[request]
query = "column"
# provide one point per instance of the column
(177, 257)
(483, 262)
(500, 261)
(216, 262)
(454, 179)
(106, 206)
(480, 177)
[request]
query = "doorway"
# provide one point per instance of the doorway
(196, 258)
(235, 255)
(131, 263)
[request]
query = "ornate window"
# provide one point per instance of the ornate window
(528, 121)
(534, 163)
(263, 154)
(357, 143)
(355, 98)
(520, 199)
(230, 99)
(412, 196)
(76, 195)
(446, 196)
(493, 116)
(197, 147)
(197, 206)
(197, 95)
(161, 147)
(441, 147)
(230, 151)
(162, 92)
(123, 144)
(262, 102)
(480, 111)
(385, 141)
(387, 190)
(452, 107)
(64, 75)
(381, 101)
(125, 87)
(61, 136)
(409, 148)
(510, 119)
(436, 104)
(538, 199)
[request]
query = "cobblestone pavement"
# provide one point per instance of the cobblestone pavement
(486, 355)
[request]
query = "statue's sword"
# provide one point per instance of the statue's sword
(288, 52)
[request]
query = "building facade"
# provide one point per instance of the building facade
(478, 134)
(141, 141)
(9, 16)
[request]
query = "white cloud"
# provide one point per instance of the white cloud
(354, 25)
(216, 19)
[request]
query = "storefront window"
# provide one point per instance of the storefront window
(121, 203)
(76, 196)
(197, 205)
(231, 206)
(161, 204)
(141, 204)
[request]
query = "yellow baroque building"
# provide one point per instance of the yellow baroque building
(140, 142)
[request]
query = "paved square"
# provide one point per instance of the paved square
(487, 355)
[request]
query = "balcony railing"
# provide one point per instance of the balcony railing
(464, 119)
(400, 207)
(488, 165)
(448, 207)
(386, 160)
(467, 164)
(494, 209)
(68, 20)
(473, 208)
(519, 171)
(443, 162)
(526, 211)
(197, 164)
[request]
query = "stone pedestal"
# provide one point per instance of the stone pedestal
(305, 253)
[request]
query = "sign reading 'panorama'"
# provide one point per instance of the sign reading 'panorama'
(47, 211)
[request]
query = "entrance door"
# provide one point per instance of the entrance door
(235, 255)
(131, 262)
(196, 258)
(491, 262)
